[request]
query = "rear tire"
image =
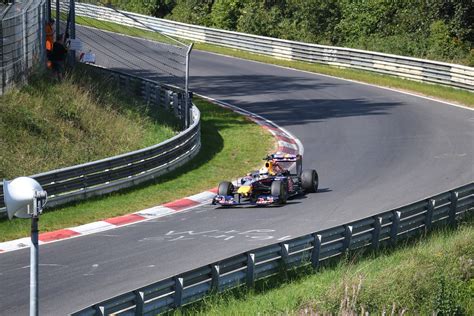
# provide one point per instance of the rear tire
(310, 181)
(225, 188)
(278, 188)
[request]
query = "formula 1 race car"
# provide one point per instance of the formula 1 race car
(272, 184)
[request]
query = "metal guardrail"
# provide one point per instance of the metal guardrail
(384, 229)
(126, 170)
(406, 67)
(22, 41)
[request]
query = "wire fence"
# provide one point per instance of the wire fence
(23, 41)
(166, 61)
(424, 70)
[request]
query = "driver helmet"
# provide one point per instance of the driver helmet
(263, 171)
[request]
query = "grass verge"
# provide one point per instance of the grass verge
(425, 276)
(49, 124)
(458, 96)
(226, 153)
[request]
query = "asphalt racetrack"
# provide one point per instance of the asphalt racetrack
(374, 149)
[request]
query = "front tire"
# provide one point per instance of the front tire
(225, 188)
(278, 188)
(310, 181)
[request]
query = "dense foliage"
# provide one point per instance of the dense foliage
(434, 29)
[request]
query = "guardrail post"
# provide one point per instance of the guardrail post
(139, 302)
(167, 104)
(285, 251)
(189, 105)
(215, 270)
(116, 78)
(376, 233)
(147, 92)
(250, 269)
(100, 310)
(347, 238)
(153, 99)
(429, 214)
(176, 105)
(454, 206)
(316, 250)
(127, 84)
(178, 291)
(158, 95)
(395, 226)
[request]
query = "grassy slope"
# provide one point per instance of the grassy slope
(226, 153)
(458, 96)
(430, 274)
(48, 125)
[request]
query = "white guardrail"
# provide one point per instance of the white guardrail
(406, 67)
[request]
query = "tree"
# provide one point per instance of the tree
(311, 20)
(257, 18)
(225, 13)
(192, 11)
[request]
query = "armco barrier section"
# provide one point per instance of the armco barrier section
(384, 229)
(126, 170)
(406, 67)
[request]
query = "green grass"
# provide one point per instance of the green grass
(231, 146)
(430, 274)
(49, 124)
(459, 96)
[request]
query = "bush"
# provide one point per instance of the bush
(444, 45)
(400, 44)
(470, 58)
(192, 11)
(139, 6)
(258, 19)
(225, 14)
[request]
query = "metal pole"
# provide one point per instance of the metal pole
(72, 27)
(34, 261)
(42, 34)
(73, 19)
(25, 40)
(48, 10)
(58, 17)
(39, 199)
(186, 88)
(2, 66)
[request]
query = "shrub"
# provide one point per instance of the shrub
(225, 14)
(442, 44)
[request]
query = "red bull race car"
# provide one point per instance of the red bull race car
(272, 184)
